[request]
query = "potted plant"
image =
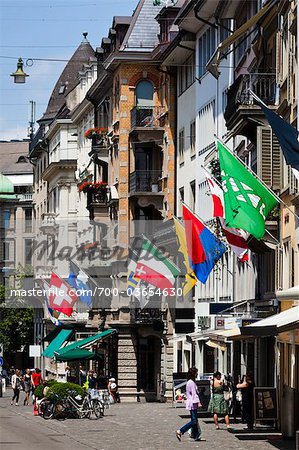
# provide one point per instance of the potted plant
(96, 187)
(96, 133)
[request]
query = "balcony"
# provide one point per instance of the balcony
(25, 197)
(147, 119)
(97, 204)
(148, 316)
(242, 113)
(48, 224)
(145, 181)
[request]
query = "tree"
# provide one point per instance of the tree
(16, 323)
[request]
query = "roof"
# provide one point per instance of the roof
(10, 153)
(121, 20)
(68, 79)
(143, 19)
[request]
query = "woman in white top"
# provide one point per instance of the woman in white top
(16, 385)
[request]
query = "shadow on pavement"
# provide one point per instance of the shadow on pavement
(274, 440)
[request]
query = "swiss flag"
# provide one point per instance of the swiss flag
(61, 296)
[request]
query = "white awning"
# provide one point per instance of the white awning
(21, 180)
(272, 325)
(214, 62)
(289, 294)
(215, 344)
(113, 193)
(227, 333)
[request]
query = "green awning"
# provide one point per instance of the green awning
(55, 345)
(76, 354)
(52, 334)
(86, 342)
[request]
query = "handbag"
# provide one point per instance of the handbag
(239, 395)
(227, 395)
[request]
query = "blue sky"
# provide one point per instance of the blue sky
(44, 29)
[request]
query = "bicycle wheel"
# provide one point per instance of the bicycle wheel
(41, 406)
(98, 409)
(48, 412)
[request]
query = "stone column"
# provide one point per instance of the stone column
(127, 364)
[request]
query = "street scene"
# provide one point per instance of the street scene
(127, 426)
(149, 224)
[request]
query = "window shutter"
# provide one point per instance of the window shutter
(293, 182)
(269, 159)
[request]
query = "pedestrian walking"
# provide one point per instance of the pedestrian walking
(91, 381)
(192, 404)
(27, 386)
(36, 380)
(16, 385)
(247, 387)
(113, 391)
(82, 375)
(218, 405)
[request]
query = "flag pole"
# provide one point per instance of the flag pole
(219, 184)
(258, 178)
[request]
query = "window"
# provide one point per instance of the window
(224, 99)
(225, 25)
(192, 195)
(287, 265)
(186, 73)
(181, 199)
(206, 126)
(192, 138)
(6, 218)
(206, 48)
(28, 220)
(181, 145)
(144, 93)
(28, 252)
(6, 251)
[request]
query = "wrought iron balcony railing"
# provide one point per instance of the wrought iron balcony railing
(263, 85)
(145, 181)
(146, 315)
(146, 116)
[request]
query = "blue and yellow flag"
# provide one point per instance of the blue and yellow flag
(190, 277)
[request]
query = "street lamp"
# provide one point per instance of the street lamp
(19, 75)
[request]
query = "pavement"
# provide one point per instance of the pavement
(134, 426)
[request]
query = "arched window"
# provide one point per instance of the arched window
(144, 93)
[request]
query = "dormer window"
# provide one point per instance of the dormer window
(21, 159)
(61, 89)
(145, 93)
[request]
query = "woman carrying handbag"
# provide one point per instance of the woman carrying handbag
(192, 404)
(218, 405)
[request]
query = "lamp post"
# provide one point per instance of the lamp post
(19, 75)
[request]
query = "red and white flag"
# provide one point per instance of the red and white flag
(217, 196)
(61, 296)
(237, 241)
(236, 238)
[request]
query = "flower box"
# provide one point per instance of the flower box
(95, 132)
(89, 186)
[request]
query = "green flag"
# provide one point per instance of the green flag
(247, 202)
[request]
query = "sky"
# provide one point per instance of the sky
(50, 29)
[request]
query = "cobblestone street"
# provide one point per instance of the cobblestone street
(125, 426)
